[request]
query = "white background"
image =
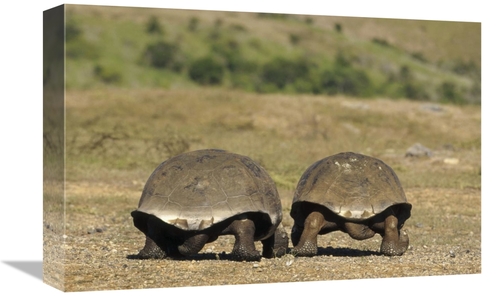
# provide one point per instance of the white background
(21, 142)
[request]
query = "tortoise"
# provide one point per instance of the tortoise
(193, 198)
(354, 193)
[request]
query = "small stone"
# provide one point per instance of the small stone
(432, 107)
(418, 150)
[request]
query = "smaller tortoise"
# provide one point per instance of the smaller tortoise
(354, 193)
(192, 198)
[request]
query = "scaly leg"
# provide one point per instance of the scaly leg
(308, 243)
(394, 242)
(244, 246)
(151, 251)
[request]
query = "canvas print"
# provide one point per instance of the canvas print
(197, 148)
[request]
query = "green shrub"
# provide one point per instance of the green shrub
(466, 68)
(229, 51)
(305, 85)
(309, 20)
(163, 55)
(73, 31)
(419, 57)
(280, 71)
(107, 75)
(414, 91)
(207, 71)
(408, 86)
(153, 26)
(450, 93)
(193, 24)
(294, 39)
(381, 42)
(76, 44)
(343, 78)
(338, 27)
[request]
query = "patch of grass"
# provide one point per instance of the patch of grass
(107, 133)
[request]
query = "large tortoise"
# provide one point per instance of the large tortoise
(353, 193)
(191, 199)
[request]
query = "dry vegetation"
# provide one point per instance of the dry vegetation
(115, 138)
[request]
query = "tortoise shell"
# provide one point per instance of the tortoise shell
(353, 186)
(195, 190)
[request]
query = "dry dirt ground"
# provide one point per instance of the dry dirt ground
(444, 231)
(89, 238)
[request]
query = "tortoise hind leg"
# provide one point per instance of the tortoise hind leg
(308, 242)
(394, 242)
(151, 251)
(157, 246)
(244, 246)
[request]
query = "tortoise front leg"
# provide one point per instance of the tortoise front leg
(308, 242)
(394, 242)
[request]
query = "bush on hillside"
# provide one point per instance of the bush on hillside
(193, 24)
(280, 72)
(153, 26)
(107, 75)
(77, 46)
(348, 81)
(163, 55)
(450, 93)
(343, 78)
(207, 71)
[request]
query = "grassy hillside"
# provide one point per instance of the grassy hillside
(271, 53)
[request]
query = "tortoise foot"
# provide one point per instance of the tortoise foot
(245, 255)
(395, 242)
(151, 251)
(244, 246)
(308, 249)
(393, 247)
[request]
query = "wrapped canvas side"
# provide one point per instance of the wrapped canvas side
(53, 147)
